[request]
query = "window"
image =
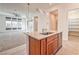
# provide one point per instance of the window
(30, 26)
(19, 24)
(13, 23)
(8, 23)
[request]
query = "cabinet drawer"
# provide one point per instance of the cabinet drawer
(49, 39)
(55, 43)
(52, 46)
(55, 46)
(50, 51)
(52, 41)
(54, 49)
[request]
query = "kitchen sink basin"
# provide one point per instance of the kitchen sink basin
(46, 33)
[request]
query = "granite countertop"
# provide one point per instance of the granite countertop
(40, 36)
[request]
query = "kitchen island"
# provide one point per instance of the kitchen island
(44, 43)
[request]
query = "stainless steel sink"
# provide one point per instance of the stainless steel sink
(46, 33)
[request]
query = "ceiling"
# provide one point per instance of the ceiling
(22, 8)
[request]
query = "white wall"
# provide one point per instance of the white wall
(2, 23)
(43, 20)
(63, 22)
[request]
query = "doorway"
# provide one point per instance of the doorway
(53, 20)
(73, 25)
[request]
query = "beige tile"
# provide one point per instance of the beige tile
(70, 47)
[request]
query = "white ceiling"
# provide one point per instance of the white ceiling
(22, 8)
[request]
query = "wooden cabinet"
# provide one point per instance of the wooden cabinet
(34, 46)
(52, 44)
(43, 47)
(46, 46)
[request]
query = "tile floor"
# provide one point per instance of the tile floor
(70, 47)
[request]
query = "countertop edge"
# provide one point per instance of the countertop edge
(43, 36)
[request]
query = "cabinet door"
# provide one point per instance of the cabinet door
(43, 47)
(50, 48)
(34, 46)
(55, 45)
(37, 47)
(31, 46)
(52, 44)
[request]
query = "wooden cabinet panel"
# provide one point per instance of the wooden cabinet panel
(37, 47)
(31, 46)
(43, 47)
(34, 46)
